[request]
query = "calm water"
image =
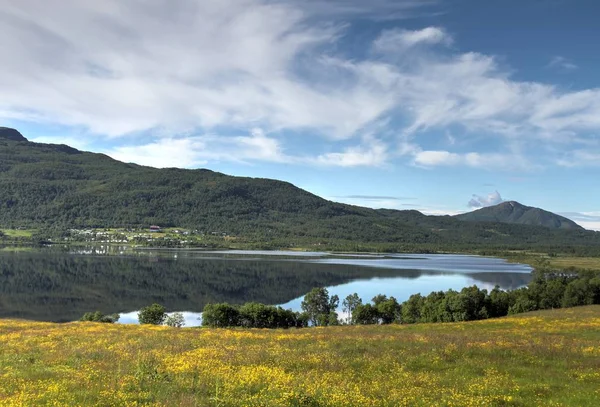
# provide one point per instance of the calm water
(61, 285)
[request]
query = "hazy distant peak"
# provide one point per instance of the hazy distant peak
(515, 212)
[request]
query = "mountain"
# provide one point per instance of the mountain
(56, 187)
(11, 134)
(514, 212)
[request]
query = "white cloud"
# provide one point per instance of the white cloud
(194, 151)
(397, 40)
(435, 158)
(580, 158)
(118, 68)
(589, 220)
(491, 199)
(372, 154)
(562, 63)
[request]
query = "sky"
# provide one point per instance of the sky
(442, 106)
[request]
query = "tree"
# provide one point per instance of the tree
(349, 305)
(175, 320)
(100, 317)
(411, 309)
(220, 315)
(388, 309)
(318, 305)
(578, 292)
(256, 315)
(154, 314)
(499, 301)
(365, 315)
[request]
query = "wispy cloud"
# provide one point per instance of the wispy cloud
(589, 220)
(204, 67)
(194, 151)
(397, 40)
(489, 161)
(562, 63)
(372, 153)
(378, 198)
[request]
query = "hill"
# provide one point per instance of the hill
(56, 187)
(514, 212)
(546, 358)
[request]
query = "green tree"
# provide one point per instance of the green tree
(411, 309)
(578, 292)
(319, 306)
(220, 315)
(365, 315)
(154, 314)
(388, 309)
(349, 305)
(499, 301)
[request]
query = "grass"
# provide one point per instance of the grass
(546, 358)
(22, 233)
(590, 263)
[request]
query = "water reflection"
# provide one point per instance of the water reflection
(56, 285)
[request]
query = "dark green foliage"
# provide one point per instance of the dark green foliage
(319, 306)
(388, 309)
(100, 317)
(411, 309)
(499, 302)
(220, 315)
(154, 314)
(365, 314)
(256, 315)
(547, 290)
(251, 315)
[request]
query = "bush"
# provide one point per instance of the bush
(154, 314)
(220, 315)
(175, 320)
(100, 317)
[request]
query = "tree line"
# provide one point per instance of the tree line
(547, 290)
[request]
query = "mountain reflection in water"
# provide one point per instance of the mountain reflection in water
(51, 285)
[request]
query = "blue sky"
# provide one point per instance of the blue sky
(440, 106)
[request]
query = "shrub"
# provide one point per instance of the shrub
(100, 317)
(175, 320)
(154, 314)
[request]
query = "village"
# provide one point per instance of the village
(154, 235)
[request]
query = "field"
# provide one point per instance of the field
(547, 358)
(589, 263)
(18, 233)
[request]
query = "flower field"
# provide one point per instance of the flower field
(546, 358)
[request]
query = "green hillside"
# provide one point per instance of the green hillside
(56, 187)
(514, 212)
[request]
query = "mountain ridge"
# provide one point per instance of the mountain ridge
(515, 212)
(58, 187)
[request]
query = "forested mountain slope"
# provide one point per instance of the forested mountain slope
(59, 187)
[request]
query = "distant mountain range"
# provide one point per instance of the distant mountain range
(514, 212)
(58, 187)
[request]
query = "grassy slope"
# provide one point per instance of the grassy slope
(544, 358)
